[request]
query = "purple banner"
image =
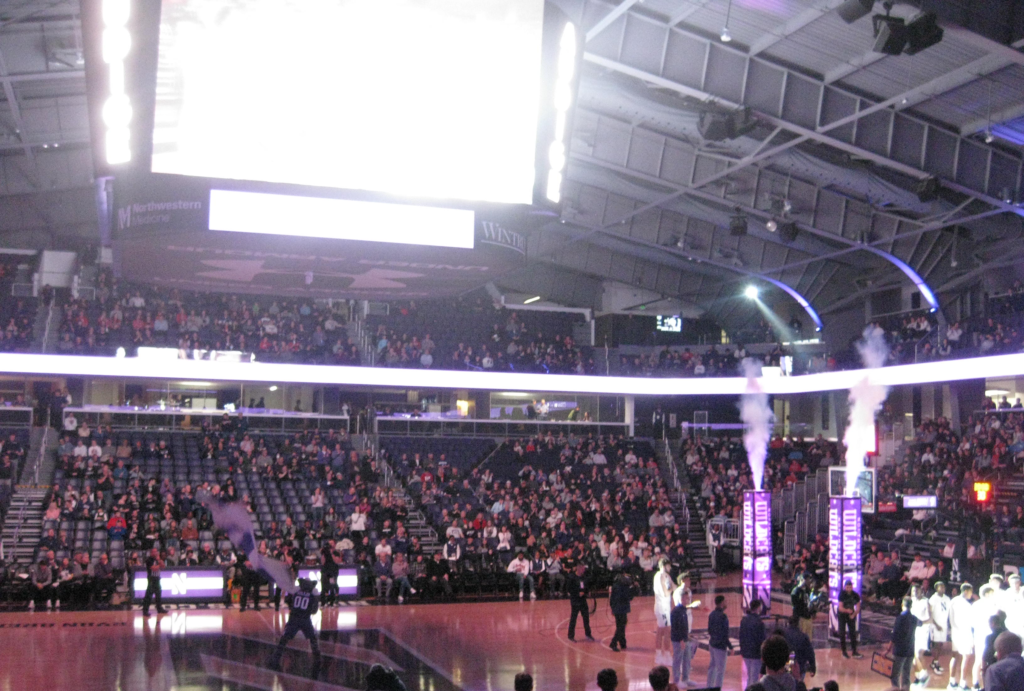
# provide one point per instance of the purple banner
(757, 548)
(183, 584)
(844, 555)
(348, 580)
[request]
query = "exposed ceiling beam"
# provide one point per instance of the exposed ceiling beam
(938, 225)
(610, 18)
(811, 14)
(42, 76)
(822, 137)
(12, 104)
(981, 124)
(851, 66)
(765, 215)
(692, 6)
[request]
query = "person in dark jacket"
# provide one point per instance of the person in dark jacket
(775, 656)
(578, 589)
(904, 631)
(682, 653)
(803, 650)
(619, 596)
(752, 635)
(718, 643)
(997, 622)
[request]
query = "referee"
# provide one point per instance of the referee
(578, 589)
(153, 590)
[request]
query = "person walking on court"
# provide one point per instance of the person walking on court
(153, 590)
(902, 646)
(718, 643)
(682, 653)
(304, 604)
(619, 596)
(849, 608)
(578, 589)
(752, 636)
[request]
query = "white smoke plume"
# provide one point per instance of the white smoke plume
(866, 399)
(757, 418)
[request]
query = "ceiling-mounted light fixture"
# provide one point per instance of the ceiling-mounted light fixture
(738, 223)
(726, 35)
(989, 137)
(852, 10)
(772, 225)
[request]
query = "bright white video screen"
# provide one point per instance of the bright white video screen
(419, 98)
(671, 323)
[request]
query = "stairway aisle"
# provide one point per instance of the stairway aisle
(24, 524)
(683, 506)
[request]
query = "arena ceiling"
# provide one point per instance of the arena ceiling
(840, 136)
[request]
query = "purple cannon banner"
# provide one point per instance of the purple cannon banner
(183, 584)
(757, 548)
(844, 553)
(348, 580)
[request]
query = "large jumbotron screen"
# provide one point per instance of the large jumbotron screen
(430, 99)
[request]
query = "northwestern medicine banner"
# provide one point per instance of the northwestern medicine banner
(162, 235)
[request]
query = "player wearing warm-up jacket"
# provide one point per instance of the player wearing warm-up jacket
(304, 604)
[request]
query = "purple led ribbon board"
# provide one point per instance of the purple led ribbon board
(845, 533)
(757, 548)
(348, 580)
(179, 585)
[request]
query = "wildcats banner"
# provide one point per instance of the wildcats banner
(757, 549)
(198, 234)
(844, 553)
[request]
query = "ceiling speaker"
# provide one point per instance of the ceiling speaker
(890, 35)
(923, 32)
(788, 231)
(714, 127)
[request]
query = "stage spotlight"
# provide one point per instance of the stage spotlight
(726, 35)
(751, 292)
(891, 34)
(772, 225)
(922, 32)
(989, 137)
(852, 10)
(738, 223)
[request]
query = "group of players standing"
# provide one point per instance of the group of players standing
(969, 625)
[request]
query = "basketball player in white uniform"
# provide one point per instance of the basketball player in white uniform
(920, 608)
(961, 635)
(938, 603)
(981, 612)
(1012, 602)
(663, 607)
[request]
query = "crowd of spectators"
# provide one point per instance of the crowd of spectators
(720, 472)
(945, 464)
(121, 494)
(721, 361)
(556, 500)
(472, 334)
(17, 314)
(274, 330)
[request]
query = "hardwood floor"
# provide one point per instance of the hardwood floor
(479, 646)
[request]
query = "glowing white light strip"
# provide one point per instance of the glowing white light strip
(194, 583)
(340, 219)
(80, 365)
